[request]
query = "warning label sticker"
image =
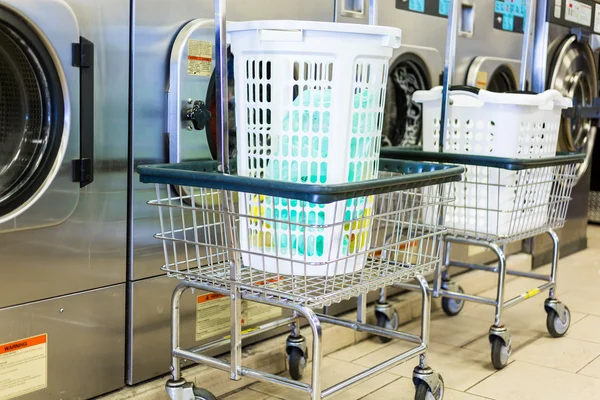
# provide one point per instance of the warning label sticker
(482, 80)
(23, 366)
(199, 57)
(212, 315)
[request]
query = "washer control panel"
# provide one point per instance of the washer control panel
(437, 8)
(509, 15)
(575, 14)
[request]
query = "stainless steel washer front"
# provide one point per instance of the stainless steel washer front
(34, 114)
(573, 71)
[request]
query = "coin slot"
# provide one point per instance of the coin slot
(467, 20)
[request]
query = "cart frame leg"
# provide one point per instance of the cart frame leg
(317, 351)
(423, 372)
(177, 387)
(554, 269)
(501, 281)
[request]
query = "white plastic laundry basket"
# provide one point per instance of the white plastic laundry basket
(483, 123)
(309, 109)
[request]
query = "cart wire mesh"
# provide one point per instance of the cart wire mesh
(367, 242)
(502, 200)
(502, 206)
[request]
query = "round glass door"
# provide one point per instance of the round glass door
(573, 72)
(402, 117)
(31, 113)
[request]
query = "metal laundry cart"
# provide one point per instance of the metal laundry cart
(500, 200)
(555, 176)
(398, 217)
(298, 246)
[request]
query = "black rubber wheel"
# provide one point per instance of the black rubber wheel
(453, 307)
(383, 322)
(296, 363)
(556, 328)
(500, 352)
(423, 392)
(203, 394)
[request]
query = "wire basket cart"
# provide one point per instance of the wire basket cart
(540, 192)
(201, 217)
(500, 199)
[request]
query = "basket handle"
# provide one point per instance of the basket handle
(280, 35)
(552, 98)
(465, 88)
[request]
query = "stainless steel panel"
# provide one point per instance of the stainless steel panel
(88, 249)
(86, 341)
(155, 29)
(61, 192)
(149, 351)
(547, 44)
(485, 41)
(428, 31)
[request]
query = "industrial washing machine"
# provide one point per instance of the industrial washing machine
(487, 56)
(416, 65)
(63, 124)
(499, 26)
(173, 105)
(565, 60)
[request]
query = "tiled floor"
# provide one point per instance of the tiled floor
(540, 368)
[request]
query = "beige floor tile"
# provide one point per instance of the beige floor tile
(583, 301)
(404, 389)
(332, 372)
(523, 381)
(249, 394)
(592, 369)
(383, 354)
(359, 350)
(587, 329)
(453, 331)
(365, 388)
(580, 271)
(564, 353)
(459, 368)
(520, 338)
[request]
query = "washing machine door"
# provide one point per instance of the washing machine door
(493, 74)
(574, 73)
(192, 95)
(410, 70)
(34, 115)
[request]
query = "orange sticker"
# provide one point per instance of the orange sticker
(209, 297)
(23, 344)
(23, 367)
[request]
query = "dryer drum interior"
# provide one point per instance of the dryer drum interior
(31, 112)
(211, 102)
(573, 72)
(403, 118)
(503, 80)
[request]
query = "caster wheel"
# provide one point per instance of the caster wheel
(423, 391)
(500, 352)
(556, 327)
(384, 322)
(296, 363)
(203, 394)
(453, 307)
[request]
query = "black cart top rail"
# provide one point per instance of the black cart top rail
(204, 174)
(512, 164)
